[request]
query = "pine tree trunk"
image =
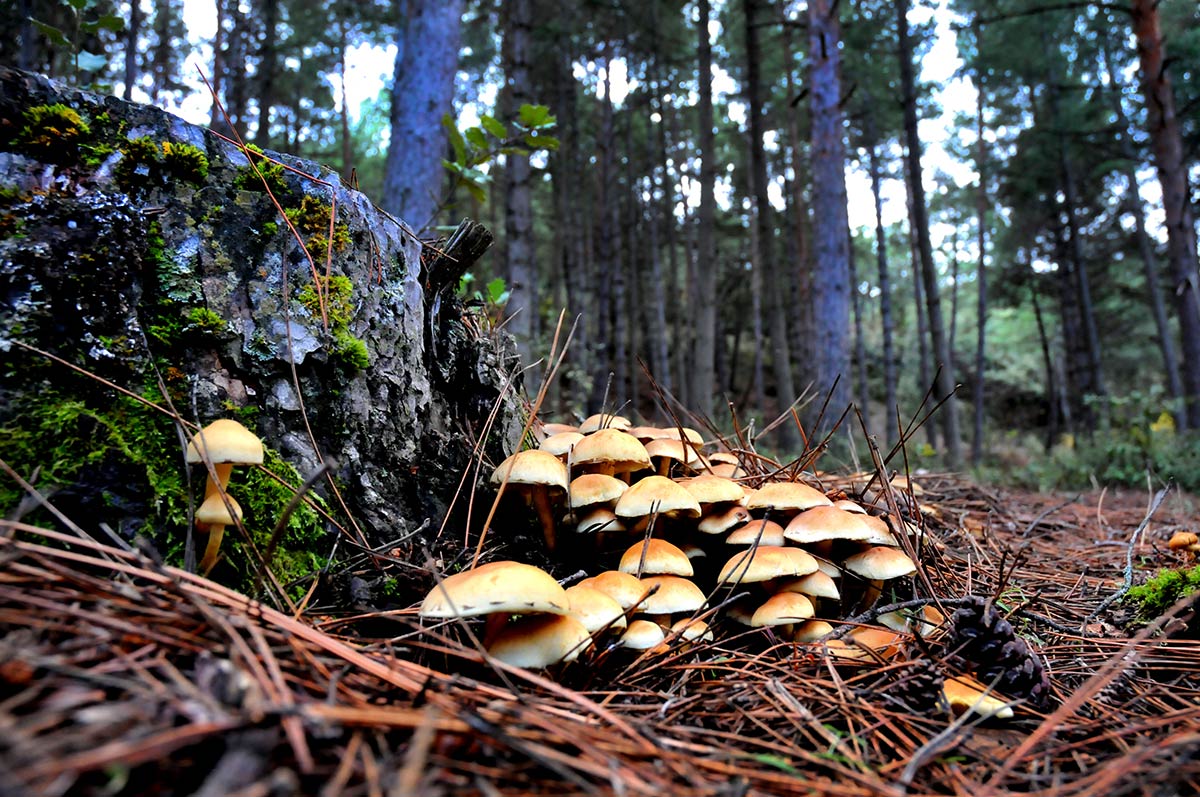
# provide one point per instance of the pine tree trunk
(422, 90)
(520, 268)
(706, 278)
(657, 342)
(606, 393)
(1163, 126)
(945, 380)
(885, 298)
(132, 32)
(924, 367)
(785, 391)
(860, 347)
(802, 277)
(981, 206)
(268, 70)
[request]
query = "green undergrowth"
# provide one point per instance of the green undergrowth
(1162, 591)
(336, 293)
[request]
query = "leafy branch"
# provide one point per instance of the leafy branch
(482, 144)
(80, 28)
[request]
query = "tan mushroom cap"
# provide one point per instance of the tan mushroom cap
(724, 457)
(602, 420)
(656, 494)
(671, 449)
(783, 608)
(867, 643)
(597, 519)
(226, 442)
(709, 489)
(688, 434)
(722, 522)
(880, 563)
(815, 585)
(730, 470)
(551, 429)
(624, 588)
(827, 523)
(811, 631)
(661, 558)
(772, 534)
(900, 620)
(495, 587)
(786, 497)
(1183, 540)
(881, 534)
(560, 444)
(595, 488)
(642, 635)
(213, 512)
(532, 467)
(690, 630)
(674, 595)
(595, 609)
(850, 506)
(648, 433)
(965, 694)
(611, 449)
(768, 562)
(540, 641)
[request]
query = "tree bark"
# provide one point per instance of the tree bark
(422, 90)
(785, 390)
(945, 380)
(706, 278)
(1163, 126)
(885, 297)
(132, 32)
(981, 206)
(520, 268)
(268, 70)
(860, 347)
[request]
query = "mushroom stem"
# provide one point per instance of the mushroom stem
(541, 503)
(871, 594)
(212, 550)
(223, 470)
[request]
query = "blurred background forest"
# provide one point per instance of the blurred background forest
(756, 197)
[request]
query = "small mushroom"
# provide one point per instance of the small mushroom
(213, 516)
(534, 473)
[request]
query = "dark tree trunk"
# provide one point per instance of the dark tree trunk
(952, 335)
(785, 391)
(885, 301)
(860, 347)
(520, 268)
(1150, 265)
(706, 277)
(945, 381)
(609, 296)
(1163, 126)
(924, 367)
(343, 106)
(422, 90)
(268, 70)
(568, 235)
(132, 48)
(981, 206)
(802, 278)
(658, 343)
(217, 78)
(1052, 403)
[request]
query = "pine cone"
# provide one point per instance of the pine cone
(918, 686)
(988, 643)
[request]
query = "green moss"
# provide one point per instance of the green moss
(270, 229)
(311, 220)
(269, 173)
(204, 320)
(140, 165)
(350, 351)
(52, 133)
(184, 161)
(1158, 594)
(337, 293)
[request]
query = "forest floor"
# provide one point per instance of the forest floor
(119, 675)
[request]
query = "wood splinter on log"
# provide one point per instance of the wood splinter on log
(444, 264)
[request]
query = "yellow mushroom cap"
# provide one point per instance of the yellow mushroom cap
(827, 523)
(540, 641)
(532, 467)
(767, 562)
(966, 694)
(495, 587)
(642, 635)
(709, 489)
(811, 631)
(613, 449)
(850, 506)
(690, 630)
(815, 585)
(656, 494)
(560, 444)
(595, 609)
(661, 558)
(1183, 540)
(674, 595)
(786, 497)
(765, 532)
(601, 421)
(721, 522)
(213, 512)
(595, 488)
(783, 608)
(597, 519)
(624, 588)
(226, 442)
(880, 563)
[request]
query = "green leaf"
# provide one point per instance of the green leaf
(497, 291)
(476, 136)
(533, 116)
(111, 22)
(90, 62)
(514, 151)
(548, 142)
(78, 5)
(56, 36)
(452, 167)
(456, 139)
(477, 191)
(493, 126)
